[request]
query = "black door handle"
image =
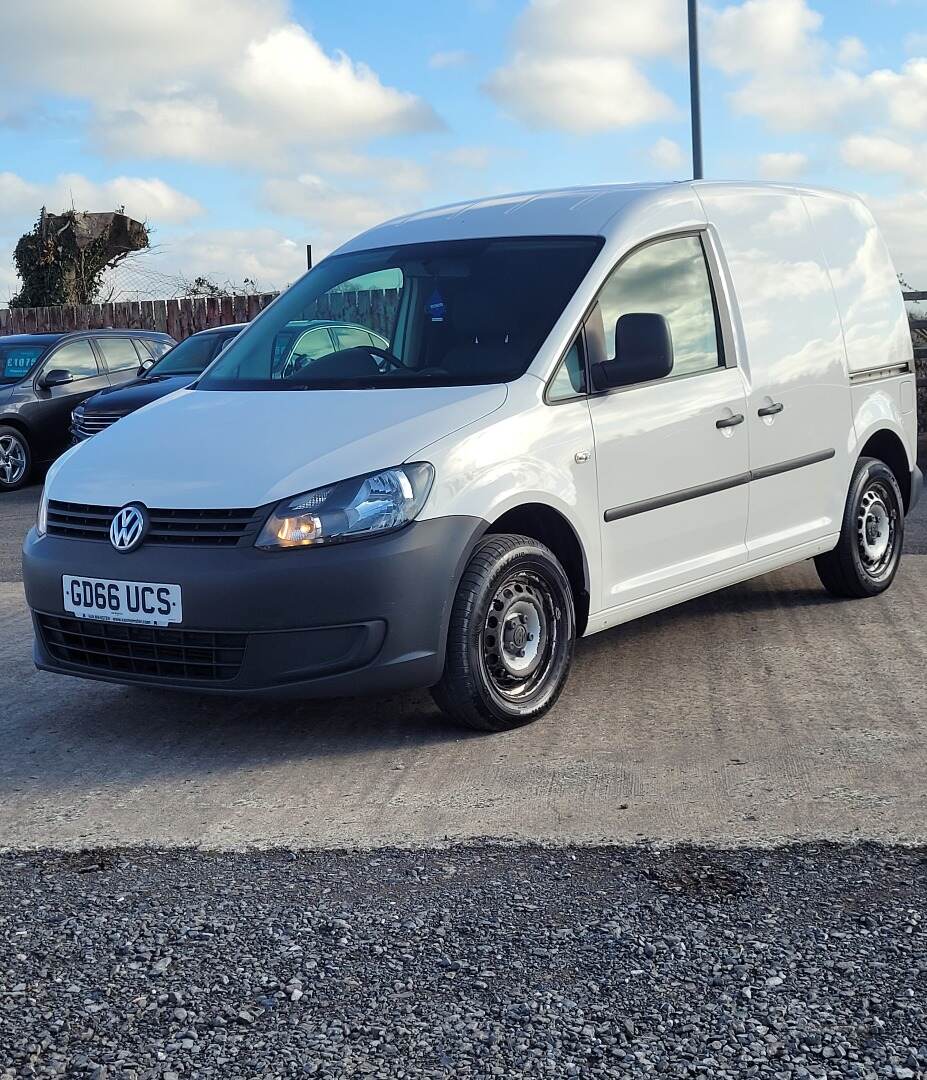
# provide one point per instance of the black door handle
(771, 410)
(730, 421)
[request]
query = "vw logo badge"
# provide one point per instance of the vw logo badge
(128, 528)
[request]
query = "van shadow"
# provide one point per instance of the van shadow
(81, 734)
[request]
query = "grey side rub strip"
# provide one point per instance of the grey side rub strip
(700, 490)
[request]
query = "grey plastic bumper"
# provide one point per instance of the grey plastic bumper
(353, 618)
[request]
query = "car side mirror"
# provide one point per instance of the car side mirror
(55, 377)
(145, 365)
(643, 351)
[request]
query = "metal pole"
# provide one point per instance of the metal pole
(695, 93)
(308, 256)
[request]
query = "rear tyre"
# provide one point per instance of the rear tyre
(866, 558)
(15, 459)
(510, 639)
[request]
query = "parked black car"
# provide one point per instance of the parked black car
(300, 343)
(44, 376)
(175, 369)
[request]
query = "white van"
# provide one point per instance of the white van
(595, 403)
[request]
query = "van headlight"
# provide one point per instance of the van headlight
(363, 506)
(41, 521)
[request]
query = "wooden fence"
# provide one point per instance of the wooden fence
(181, 317)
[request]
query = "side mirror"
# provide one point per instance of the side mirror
(643, 351)
(145, 365)
(55, 377)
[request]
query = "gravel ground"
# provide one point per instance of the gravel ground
(474, 962)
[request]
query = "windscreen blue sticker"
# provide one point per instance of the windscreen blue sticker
(436, 307)
(17, 362)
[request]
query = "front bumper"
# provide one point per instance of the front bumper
(360, 617)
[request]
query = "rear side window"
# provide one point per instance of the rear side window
(155, 346)
(668, 278)
(118, 353)
(349, 337)
(76, 357)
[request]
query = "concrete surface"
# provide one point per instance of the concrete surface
(765, 712)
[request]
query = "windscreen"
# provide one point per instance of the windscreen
(439, 314)
(16, 361)
(192, 356)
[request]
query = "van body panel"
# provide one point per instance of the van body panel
(875, 323)
(878, 407)
(218, 449)
(525, 452)
(795, 358)
(661, 440)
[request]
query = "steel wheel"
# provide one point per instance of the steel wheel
(14, 459)
(510, 637)
(868, 552)
(522, 628)
(877, 528)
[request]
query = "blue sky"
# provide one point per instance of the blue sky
(243, 129)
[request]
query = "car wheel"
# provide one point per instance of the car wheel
(866, 558)
(510, 639)
(15, 459)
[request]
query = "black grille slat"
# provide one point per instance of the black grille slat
(208, 528)
(156, 651)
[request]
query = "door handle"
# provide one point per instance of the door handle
(771, 410)
(730, 421)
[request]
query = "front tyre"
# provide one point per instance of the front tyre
(15, 459)
(866, 558)
(511, 634)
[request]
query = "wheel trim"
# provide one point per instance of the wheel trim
(520, 636)
(12, 459)
(877, 529)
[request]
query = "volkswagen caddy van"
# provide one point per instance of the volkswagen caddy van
(593, 404)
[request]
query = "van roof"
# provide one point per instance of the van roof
(574, 211)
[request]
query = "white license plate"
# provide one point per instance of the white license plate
(147, 602)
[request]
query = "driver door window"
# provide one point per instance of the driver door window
(77, 357)
(668, 278)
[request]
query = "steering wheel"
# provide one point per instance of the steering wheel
(390, 360)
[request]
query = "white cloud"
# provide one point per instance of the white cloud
(452, 58)
(903, 221)
(851, 52)
(334, 213)
(881, 154)
(916, 43)
(574, 66)
(267, 256)
(796, 80)
(782, 165)
(762, 35)
(219, 80)
(579, 95)
(469, 157)
(146, 198)
(667, 155)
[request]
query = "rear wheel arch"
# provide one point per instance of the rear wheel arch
(551, 528)
(887, 446)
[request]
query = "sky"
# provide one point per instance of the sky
(241, 130)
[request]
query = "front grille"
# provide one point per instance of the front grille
(205, 528)
(152, 651)
(87, 424)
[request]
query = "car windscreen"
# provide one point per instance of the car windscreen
(192, 356)
(17, 361)
(451, 313)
